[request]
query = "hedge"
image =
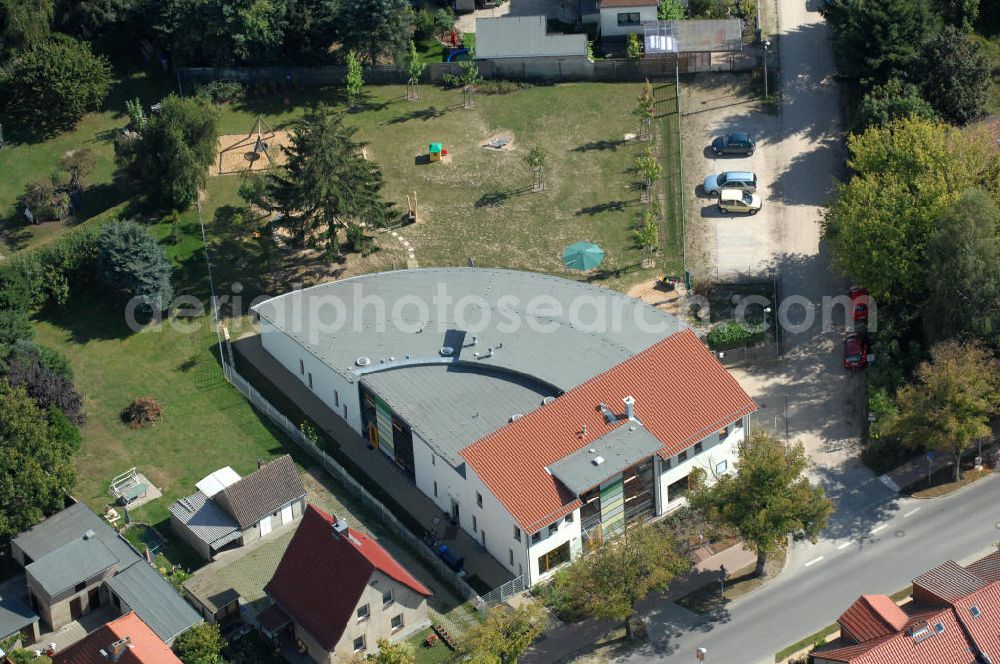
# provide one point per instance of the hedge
(734, 334)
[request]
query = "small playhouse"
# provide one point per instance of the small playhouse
(436, 152)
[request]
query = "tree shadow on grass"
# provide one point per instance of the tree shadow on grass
(594, 146)
(600, 208)
(91, 314)
(429, 113)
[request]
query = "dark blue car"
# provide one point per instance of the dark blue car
(739, 142)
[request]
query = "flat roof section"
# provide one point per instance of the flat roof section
(72, 563)
(557, 331)
(217, 481)
(605, 457)
(451, 406)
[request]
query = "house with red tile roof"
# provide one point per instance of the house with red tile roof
(337, 592)
(541, 415)
(124, 640)
(953, 618)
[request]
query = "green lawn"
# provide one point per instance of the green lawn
(478, 205)
(436, 654)
(28, 159)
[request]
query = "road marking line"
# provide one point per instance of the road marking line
(814, 561)
(912, 512)
(844, 546)
(878, 528)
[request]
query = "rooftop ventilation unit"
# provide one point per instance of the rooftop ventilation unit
(516, 416)
(547, 400)
(609, 417)
(629, 407)
(597, 460)
(89, 535)
(363, 361)
(340, 527)
(446, 351)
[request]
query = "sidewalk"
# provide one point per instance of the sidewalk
(376, 465)
(566, 641)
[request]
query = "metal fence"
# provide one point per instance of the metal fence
(504, 592)
(352, 485)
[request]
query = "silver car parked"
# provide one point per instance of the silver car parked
(742, 180)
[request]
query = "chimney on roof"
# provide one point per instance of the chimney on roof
(583, 431)
(260, 464)
(89, 535)
(629, 407)
(609, 417)
(340, 528)
(118, 648)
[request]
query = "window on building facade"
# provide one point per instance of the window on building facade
(569, 518)
(433, 459)
(435, 489)
(536, 537)
(721, 467)
(359, 644)
(302, 367)
(80, 586)
(723, 433)
(336, 399)
(682, 456)
(363, 612)
(479, 499)
(475, 525)
(517, 533)
(310, 380)
(553, 558)
(511, 553)
(628, 18)
(387, 597)
(698, 447)
(397, 622)
(553, 528)
(667, 463)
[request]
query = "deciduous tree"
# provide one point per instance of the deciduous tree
(55, 81)
(376, 29)
(173, 153)
(905, 174)
(24, 22)
(955, 76)
(355, 78)
(891, 101)
(622, 570)
(505, 634)
(633, 47)
(767, 499)
(963, 272)
(36, 471)
(201, 644)
(670, 10)
(46, 387)
(949, 404)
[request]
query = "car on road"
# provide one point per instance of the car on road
(737, 200)
(855, 350)
(745, 180)
(859, 303)
(739, 142)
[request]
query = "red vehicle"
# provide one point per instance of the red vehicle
(855, 351)
(859, 303)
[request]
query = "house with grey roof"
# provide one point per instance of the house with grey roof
(16, 617)
(228, 511)
(74, 563)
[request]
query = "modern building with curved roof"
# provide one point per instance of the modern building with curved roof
(541, 413)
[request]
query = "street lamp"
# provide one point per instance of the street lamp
(766, 45)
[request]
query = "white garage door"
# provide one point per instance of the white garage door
(265, 525)
(286, 514)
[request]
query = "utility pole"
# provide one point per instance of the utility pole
(766, 45)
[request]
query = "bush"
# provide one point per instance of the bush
(423, 24)
(46, 202)
(734, 334)
(142, 412)
(222, 92)
(47, 388)
(24, 350)
(54, 82)
(15, 326)
(502, 87)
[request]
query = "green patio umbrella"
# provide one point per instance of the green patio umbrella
(582, 256)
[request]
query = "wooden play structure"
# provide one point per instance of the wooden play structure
(436, 151)
(259, 150)
(411, 208)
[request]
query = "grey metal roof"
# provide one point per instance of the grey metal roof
(206, 520)
(562, 354)
(14, 612)
(452, 405)
(263, 492)
(66, 526)
(71, 564)
(623, 447)
(154, 600)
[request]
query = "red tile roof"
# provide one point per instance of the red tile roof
(871, 617)
(145, 647)
(943, 598)
(947, 647)
(321, 577)
(682, 395)
(947, 583)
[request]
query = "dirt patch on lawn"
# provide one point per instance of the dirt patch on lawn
(242, 152)
(655, 293)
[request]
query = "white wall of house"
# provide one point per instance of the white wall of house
(431, 470)
(718, 456)
(497, 523)
(524, 36)
(565, 532)
(610, 19)
(339, 394)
